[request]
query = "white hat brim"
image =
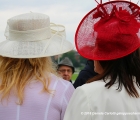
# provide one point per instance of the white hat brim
(35, 49)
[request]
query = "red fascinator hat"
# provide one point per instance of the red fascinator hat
(110, 31)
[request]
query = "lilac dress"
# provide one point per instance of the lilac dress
(39, 105)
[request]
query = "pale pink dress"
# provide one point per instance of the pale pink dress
(38, 105)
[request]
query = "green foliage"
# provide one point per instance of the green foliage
(74, 76)
(76, 59)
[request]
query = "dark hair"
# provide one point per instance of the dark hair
(124, 69)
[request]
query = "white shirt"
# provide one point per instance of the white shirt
(109, 104)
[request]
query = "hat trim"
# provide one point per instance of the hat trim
(34, 35)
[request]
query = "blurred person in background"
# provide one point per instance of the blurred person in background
(85, 74)
(66, 69)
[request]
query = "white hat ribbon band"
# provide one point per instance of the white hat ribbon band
(34, 35)
(29, 35)
(58, 30)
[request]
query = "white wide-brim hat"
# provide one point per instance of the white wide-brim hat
(31, 35)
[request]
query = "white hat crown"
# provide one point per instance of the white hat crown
(28, 27)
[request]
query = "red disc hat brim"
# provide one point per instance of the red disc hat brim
(87, 40)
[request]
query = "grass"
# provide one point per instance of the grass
(74, 76)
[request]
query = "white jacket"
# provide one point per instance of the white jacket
(94, 101)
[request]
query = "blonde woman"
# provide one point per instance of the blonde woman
(29, 88)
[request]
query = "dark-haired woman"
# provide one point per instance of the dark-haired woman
(110, 36)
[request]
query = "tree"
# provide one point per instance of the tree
(74, 56)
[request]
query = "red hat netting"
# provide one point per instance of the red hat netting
(110, 31)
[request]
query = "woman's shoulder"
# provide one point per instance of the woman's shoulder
(60, 82)
(93, 87)
(62, 87)
(98, 89)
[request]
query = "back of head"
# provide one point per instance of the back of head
(123, 70)
(110, 34)
(16, 73)
(25, 54)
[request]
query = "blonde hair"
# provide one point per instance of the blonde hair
(16, 73)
